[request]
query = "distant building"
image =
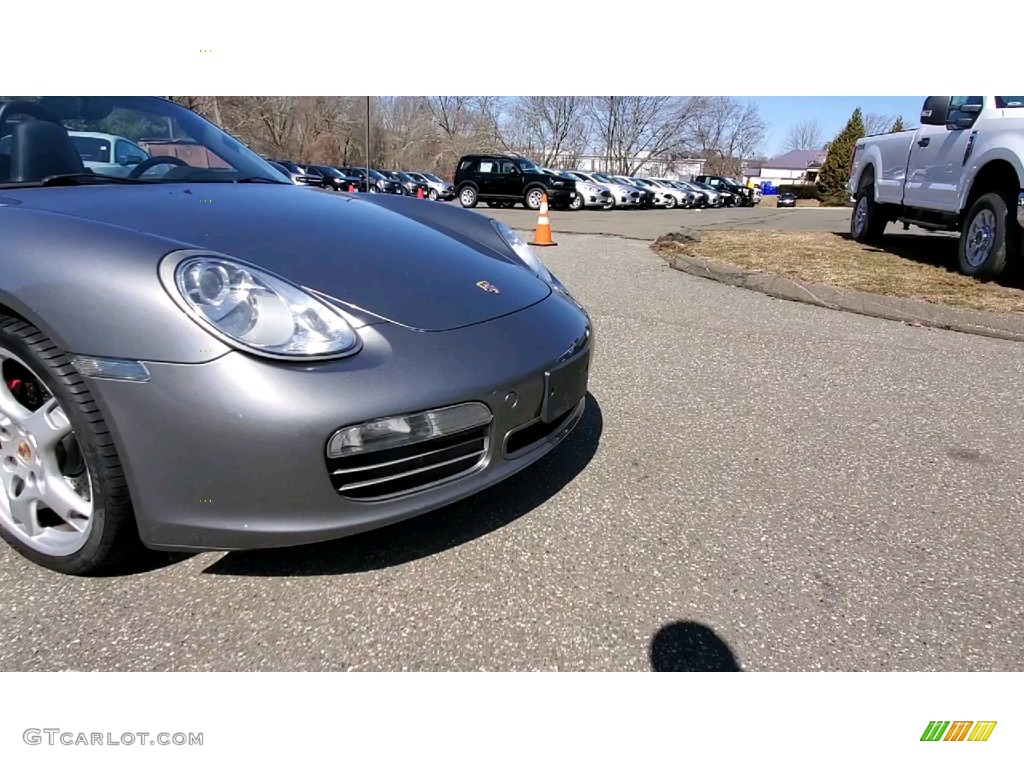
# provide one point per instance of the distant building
(799, 166)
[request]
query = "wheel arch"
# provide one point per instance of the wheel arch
(996, 175)
(10, 306)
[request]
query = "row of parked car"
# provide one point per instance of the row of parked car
(346, 179)
(503, 181)
(506, 180)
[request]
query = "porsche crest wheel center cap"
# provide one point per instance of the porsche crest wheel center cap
(24, 451)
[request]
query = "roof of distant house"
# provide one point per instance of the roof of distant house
(796, 160)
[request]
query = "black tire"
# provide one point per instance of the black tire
(468, 197)
(577, 202)
(432, 194)
(990, 234)
(113, 538)
(609, 205)
(670, 202)
(531, 200)
(868, 220)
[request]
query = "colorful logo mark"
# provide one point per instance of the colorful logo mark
(958, 730)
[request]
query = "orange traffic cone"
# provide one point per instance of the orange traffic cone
(543, 234)
(351, 187)
(419, 193)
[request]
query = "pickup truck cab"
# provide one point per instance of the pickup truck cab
(961, 171)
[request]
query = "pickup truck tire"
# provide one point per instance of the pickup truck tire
(988, 235)
(867, 223)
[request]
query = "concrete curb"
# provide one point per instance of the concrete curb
(911, 311)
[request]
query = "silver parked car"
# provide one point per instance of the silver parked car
(625, 195)
(438, 189)
(592, 183)
(588, 195)
(702, 198)
(215, 358)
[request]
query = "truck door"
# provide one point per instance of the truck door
(937, 158)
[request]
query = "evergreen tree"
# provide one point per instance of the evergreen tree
(898, 125)
(835, 170)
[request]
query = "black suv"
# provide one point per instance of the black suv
(743, 196)
(503, 180)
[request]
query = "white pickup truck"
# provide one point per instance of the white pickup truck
(961, 171)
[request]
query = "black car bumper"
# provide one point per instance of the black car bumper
(560, 196)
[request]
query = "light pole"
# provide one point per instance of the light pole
(367, 143)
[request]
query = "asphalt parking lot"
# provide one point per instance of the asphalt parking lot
(757, 484)
(649, 224)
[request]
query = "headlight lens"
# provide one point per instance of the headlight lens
(523, 251)
(260, 311)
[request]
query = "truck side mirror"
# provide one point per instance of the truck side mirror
(935, 110)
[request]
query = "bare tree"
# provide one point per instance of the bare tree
(430, 133)
(875, 122)
(726, 131)
(556, 128)
(807, 134)
(634, 130)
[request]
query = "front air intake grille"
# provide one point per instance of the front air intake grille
(535, 433)
(409, 468)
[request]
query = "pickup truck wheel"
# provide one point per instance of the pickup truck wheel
(867, 222)
(987, 237)
(468, 197)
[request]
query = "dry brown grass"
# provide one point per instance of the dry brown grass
(909, 266)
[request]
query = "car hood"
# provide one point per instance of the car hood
(408, 271)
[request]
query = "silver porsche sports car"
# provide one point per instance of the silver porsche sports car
(197, 354)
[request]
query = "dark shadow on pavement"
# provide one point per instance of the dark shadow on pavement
(435, 531)
(687, 646)
(143, 562)
(936, 250)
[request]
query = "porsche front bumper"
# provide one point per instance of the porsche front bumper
(231, 454)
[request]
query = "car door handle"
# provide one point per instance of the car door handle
(923, 142)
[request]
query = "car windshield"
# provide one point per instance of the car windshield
(432, 177)
(605, 179)
(113, 138)
(416, 176)
(405, 177)
(528, 167)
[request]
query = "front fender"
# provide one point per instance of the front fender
(1008, 147)
(93, 289)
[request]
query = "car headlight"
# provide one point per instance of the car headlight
(523, 251)
(257, 310)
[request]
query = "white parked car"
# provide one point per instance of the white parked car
(665, 195)
(622, 195)
(961, 171)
